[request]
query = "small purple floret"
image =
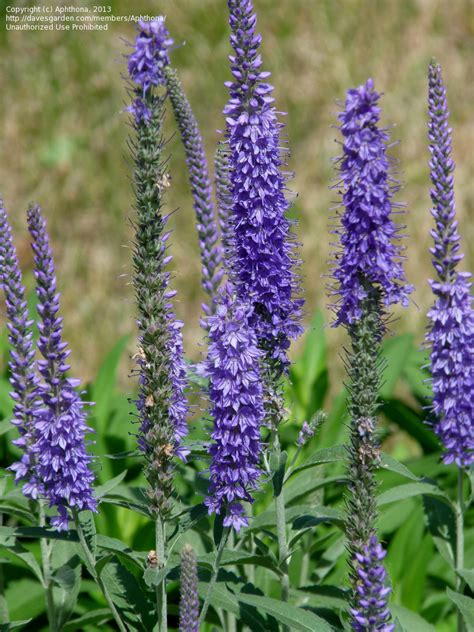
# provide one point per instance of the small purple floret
(368, 238)
(451, 329)
(235, 393)
(371, 611)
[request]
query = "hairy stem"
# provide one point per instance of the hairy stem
(45, 546)
(161, 602)
(92, 570)
(281, 531)
(215, 571)
(460, 542)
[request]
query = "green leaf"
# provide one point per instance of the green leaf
(465, 606)
(411, 489)
(468, 576)
(106, 488)
(97, 617)
(441, 523)
(13, 625)
(286, 613)
(25, 598)
(235, 558)
(387, 462)
(17, 550)
(320, 457)
(277, 467)
(128, 596)
(121, 549)
(38, 532)
(223, 599)
(408, 621)
(293, 514)
(5, 426)
(67, 577)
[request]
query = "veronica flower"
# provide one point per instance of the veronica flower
(162, 406)
(189, 602)
(451, 330)
(370, 253)
(149, 65)
(23, 377)
(370, 611)
(368, 276)
(264, 258)
(236, 396)
(61, 460)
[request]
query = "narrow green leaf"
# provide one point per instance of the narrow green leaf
(411, 489)
(286, 613)
(387, 462)
(17, 550)
(223, 599)
(468, 576)
(408, 621)
(97, 617)
(320, 457)
(465, 606)
(128, 596)
(5, 426)
(277, 466)
(234, 558)
(441, 523)
(106, 488)
(67, 577)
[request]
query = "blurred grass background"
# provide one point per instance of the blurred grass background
(63, 140)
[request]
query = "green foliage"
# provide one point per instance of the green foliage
(416, 505)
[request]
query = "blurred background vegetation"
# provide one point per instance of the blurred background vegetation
(63, 141)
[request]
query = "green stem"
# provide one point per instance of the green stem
(281, 535)
(92, 570)
(231, 620)
(460, 542)
(45, 547)
(160, 591)
(4, 615)
(215, 571)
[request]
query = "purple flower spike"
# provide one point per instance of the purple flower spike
(370, 611)
(236, 396)
(369, 252)
(264, 257)
(451, 329)
(23, 378)
(150, 55)
(62, 462)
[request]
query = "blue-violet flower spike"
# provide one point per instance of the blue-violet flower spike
(23, 377)
(368, 238)
(451, 329)
(236, 396)
(264, 252)
(62, 462)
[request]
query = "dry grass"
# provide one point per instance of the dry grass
(63, 141)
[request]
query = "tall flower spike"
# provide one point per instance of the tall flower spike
(162, 406)
(235, 393)
(451, 329)
(224, 206)
(61, 459)
(368, 237)
(369, 277)
(264, 252)
(23, 377)
(211, 253)
(189, 603)
(149, 66)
